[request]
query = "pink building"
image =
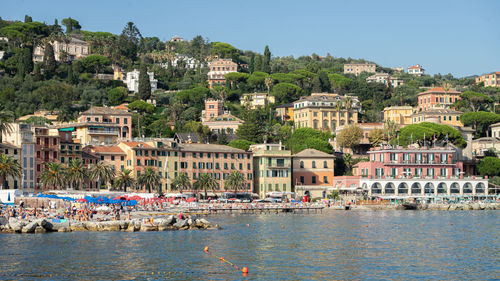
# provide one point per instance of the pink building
(410, 162)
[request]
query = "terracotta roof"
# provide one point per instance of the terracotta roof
(105, 149)
(135, 144)
(415, 67)
(105, 110)
(199, 147)
(310, 152)
(123, 106)
(439, 90)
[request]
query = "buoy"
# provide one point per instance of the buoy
(206, 249)
(248, 224)
(451, 224)
(366, 225)
(422, 224)
(479, 224)
(244, 269)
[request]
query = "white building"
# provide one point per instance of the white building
(132, 81)
(189, 62)
(385, 78)
(416, 70)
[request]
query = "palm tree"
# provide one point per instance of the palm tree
(77, 173)
(124, 179)
(9, 167)
(348, 102)
(181, 182)
(206, 182)
(101, 172)
(269, 82)
(235, 181)
(149, 178)
(6, 117)
(53, 175)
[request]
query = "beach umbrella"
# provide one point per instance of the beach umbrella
(82, 200)
(191, 199)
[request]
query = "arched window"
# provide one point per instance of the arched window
(301, 164)
(314, 164)
(325, 164)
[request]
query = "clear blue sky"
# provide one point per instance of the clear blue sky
(458, 37)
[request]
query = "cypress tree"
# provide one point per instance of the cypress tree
(251, 66)
(24, 62)
(27, 19)
(266, 64)
(49, 61)
(144, 84)
(258, 63)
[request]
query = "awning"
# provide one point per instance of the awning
(70, 129)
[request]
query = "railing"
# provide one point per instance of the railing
(116, 133)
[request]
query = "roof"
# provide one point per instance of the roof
(417, 66)
(105, 110)
(285, 105)
(186, 137)
(440, 90)
(134, 144)
(122, 106)
(310, 152)
(201, 147)
(87, 154)
(8, 145)
(405, 107)
(487, 139)
(105, 149)
(437, 111)
(495, 125)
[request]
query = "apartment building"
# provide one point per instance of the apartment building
(490, 79)
(132, 81)
(439, 116)
(256, 100)
(285, 112)
(272, 169)
(386, 79)
(437, 97)
(325, 111)
(358, 68)
(13, 151)
(416, 70)
(216, 118)
(400, 115)
(64, 50)
(313, 173)
(46, 150)
(218, 70)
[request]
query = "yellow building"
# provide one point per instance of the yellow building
(438, 116)
(401, 115)
(285, 112)
(490, 79)
(358, 68)
(326, 112)
(14, 152)
(256, 100)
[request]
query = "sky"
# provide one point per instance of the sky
(458, 37)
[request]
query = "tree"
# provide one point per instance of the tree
(181, 182)
(124, 179)
(286, 92)
(144, 84)
(49, 61)
(38, 120)
(476, 101)
(348, 161)
(304, 138)
(480, 121)
(235, 181)
(25, 61)
(141, 107)
(222, 137)
(350, 136)
(95, 62)
(6, 117)
(76, 173)
(128, 43)
(71, 25)
(101, 172)
(27, 19)
(240, 144)
(149, 178)
(489, 166)
(53, 175)
(391, 129)
(325, 84)
(9, 167)
(117, 96)
(376, 137)
(433, 133)
(206, 182)
(266, 63)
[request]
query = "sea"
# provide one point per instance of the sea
(332, 245)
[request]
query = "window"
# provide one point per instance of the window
(302, 179)
(313, 164)
(125, 120)
(325, 164)
(112, 158)
(138, 162)
(313, 179)
(301, 164)
(241, 166)
(325, 179)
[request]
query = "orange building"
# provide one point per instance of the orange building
(437, 97)
(313, 173)
(490, 79)
(218, 70)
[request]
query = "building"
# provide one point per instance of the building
(132, 81)
(416, 172)
(313, 173)
(69, 150)
(490, 80)
(100, 125)
(285, 112)
(357, 68)
(218, 70)
(386, 79)
(437, 97)
(324, 111)
(187, 62)
(217, 119)
(51, 116)
(256, 100)
(64, 50)
(495, 130)
(177, 39)
(400, 115)
(364, 144)
(46, 150)
(416, 70)
(272, 169)
(13, 151)
(117, 73)
(482, 146)
(438, 116)
(398, 69)
(22, 135)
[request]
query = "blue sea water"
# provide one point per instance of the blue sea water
(334, 245)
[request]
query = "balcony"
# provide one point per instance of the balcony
(280, 166)
(103, 132)
(417, 163)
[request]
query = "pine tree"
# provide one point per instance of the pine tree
(316, 85)
(266, 64)
(144, 84)
(49, 61)
(324, 81)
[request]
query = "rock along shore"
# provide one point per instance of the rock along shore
(14, 225)
(436, 207)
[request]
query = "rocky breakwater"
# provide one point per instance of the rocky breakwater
(461, 206)
(14, 225)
